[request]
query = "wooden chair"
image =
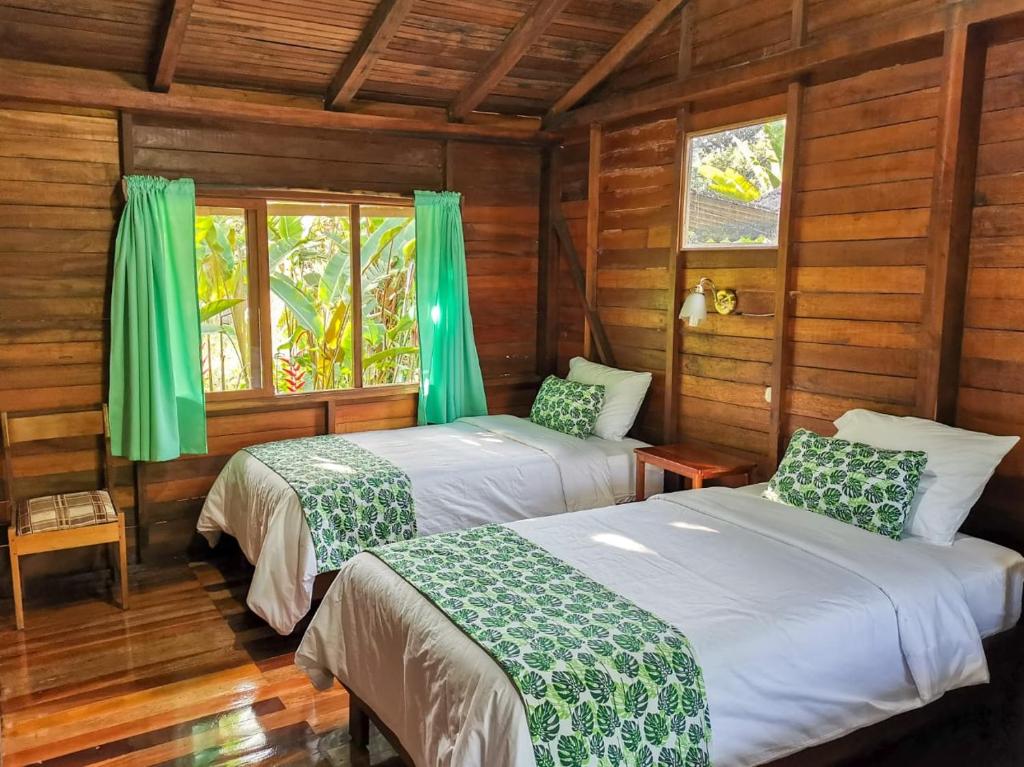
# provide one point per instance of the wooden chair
(66, 520)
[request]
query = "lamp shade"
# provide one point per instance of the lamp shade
(695, 309)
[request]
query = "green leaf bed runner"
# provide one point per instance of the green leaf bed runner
(603, 682)
(352, 498)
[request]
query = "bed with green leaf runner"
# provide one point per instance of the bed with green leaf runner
(705, 627)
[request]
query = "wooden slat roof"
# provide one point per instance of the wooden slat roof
(297, 46)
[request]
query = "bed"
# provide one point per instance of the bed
(475, 471)
(806, 628)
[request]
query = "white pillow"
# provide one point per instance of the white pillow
(960, 464)
(624, 393)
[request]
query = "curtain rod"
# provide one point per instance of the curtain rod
(286, 193)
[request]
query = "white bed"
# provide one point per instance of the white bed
(806, 628)
(465, 474)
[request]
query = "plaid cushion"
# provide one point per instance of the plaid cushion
(65, 511)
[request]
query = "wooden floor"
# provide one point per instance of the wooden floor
(189, 677)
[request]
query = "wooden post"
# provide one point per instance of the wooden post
(783, 270)
(963, 77)
(687, 27)
(593, 230)
(172, 36)
(568, 249)
(547, 267)
(672, 384)
(798, 24)
(356, 254)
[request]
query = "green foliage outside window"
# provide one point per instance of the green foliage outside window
(313, 314)
(223, 283)
(313, 311)
(733, 185)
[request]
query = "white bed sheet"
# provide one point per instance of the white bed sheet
(465, 474)
(992, 575)
(806, 629)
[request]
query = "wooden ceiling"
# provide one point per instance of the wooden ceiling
(431, 52)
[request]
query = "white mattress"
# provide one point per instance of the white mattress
(992, 575)
(472, 472)
(806, 628)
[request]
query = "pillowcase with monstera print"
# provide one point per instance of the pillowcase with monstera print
(849, 481)
(569, 407)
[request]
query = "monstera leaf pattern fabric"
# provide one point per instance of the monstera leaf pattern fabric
(849, 481)
(566, 406)
(603, 682)
(351, 497)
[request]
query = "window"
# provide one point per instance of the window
(388, 276)
(319, 294)
(733, 188)
(222, 259)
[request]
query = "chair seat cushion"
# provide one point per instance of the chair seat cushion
(66, 511)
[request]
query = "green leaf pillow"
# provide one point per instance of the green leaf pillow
(566, 406)
(849, 481)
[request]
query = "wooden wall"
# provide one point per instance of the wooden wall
(863, 242)
(58, 175)
(866, 159)
(991, 395)
(59, 200)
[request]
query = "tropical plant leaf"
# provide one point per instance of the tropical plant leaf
(302, 308)
(216, 307)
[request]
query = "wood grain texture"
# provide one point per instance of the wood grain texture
(527, 31)
(612, 60)
(187, 671)
(171, 40)
(950, 235)
(387, 17)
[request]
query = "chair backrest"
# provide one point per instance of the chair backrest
(18, 428)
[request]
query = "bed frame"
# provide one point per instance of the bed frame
(1004, 657)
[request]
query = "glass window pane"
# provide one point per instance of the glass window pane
(388, 258)
(222, 269)
(733, 190)
(310, 296)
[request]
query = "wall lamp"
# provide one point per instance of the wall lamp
(695, 307)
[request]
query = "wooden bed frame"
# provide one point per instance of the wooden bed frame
(1003, 652)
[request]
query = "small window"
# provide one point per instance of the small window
(733, 189)
(222, 271)
(311, 307)
(388, 281)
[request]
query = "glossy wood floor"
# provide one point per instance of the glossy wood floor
(189, 677)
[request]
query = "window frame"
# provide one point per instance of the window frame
(681, 243)
(255, 202)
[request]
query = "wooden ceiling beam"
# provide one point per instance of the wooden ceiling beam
(172, 35)
(786, 65)
(531, 26)
(374, 40)
(74, 89)
(614, 58)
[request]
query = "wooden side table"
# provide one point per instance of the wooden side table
(695, 462)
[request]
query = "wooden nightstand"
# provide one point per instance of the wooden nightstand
(692, 461)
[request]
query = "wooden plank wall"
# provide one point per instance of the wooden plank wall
(58, 206)
(573, 193)
(635, 224)
(865, 164)
(58, 176)
(859, 253)
(991, 394)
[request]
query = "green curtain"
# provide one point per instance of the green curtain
(451, 385)
(157, 405)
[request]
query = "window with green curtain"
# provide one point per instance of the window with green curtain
(451, 385)
(156, 400)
